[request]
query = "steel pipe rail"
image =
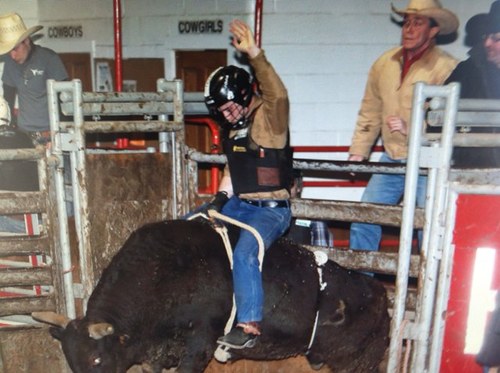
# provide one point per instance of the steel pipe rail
(466, 118)
(26, 305)
(135, 108)
(126, 126)
(21, 154)
(466, 104)
(24, 246)
(347, 166)
(25, 276)
(389, 215)
(318, 165)
(22, 202)
(484, 176)
(470, 139)
(132, 96)
(379, 262)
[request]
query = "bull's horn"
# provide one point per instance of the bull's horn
(51, 318)
(99, 330)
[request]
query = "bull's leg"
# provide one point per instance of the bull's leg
(315, 360)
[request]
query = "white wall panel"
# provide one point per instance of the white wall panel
(322, 48)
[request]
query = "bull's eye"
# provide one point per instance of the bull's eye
(96, 361)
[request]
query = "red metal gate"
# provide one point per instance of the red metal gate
(475, 278)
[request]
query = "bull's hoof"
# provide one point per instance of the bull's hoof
(316, 366)
(315, 362)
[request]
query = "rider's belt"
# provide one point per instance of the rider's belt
(267, 202)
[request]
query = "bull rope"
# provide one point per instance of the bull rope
(321, 258)
(222, 230)
(222, 354)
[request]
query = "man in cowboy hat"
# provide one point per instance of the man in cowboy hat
(386, 106)
(26, 70)
(479, 77)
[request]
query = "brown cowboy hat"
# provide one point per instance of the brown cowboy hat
(446, 20)
(13, 31)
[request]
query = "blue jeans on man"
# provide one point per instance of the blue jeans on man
(385, 189)
(271, 223)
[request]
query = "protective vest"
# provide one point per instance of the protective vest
(254, 168)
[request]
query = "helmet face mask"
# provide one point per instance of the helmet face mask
(228, 84)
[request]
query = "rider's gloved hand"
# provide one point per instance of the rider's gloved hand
(216, 203)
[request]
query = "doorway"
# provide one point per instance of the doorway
(194, 67)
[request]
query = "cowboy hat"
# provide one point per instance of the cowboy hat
(13, 31)
(446, 20)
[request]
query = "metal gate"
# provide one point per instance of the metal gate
(30, 274)
(112, 192)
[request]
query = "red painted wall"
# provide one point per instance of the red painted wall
(477, 225)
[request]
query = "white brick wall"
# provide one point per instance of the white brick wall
(322, 48)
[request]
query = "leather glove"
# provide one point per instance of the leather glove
(216, 203)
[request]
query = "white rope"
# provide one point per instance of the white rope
(321, 258)
(227, 244)
(260, 242)
(313, 335)
(225, 238)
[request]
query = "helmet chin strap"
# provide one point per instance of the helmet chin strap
(242, 123)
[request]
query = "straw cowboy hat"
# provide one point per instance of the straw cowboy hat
(447, 21)
(13, 31)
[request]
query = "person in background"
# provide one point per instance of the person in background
(386, 106)
(255, 185)
(307, 232)
(479, 77)
(26, 70)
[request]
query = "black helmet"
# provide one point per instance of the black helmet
(229, 83)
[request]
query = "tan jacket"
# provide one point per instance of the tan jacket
(385, 95)
(270, 112)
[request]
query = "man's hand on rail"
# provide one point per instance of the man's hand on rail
(355, 158)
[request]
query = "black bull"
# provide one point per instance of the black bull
(165, 297)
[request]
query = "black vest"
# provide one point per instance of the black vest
(255, 168)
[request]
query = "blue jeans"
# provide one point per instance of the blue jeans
(271, 223)
(386, 189)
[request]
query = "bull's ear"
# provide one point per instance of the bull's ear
(56, 332)
(100, 330)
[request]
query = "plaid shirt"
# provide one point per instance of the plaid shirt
(320, 234)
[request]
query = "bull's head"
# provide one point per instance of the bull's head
(88, 346)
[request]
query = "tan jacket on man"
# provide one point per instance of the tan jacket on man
(386, 95)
